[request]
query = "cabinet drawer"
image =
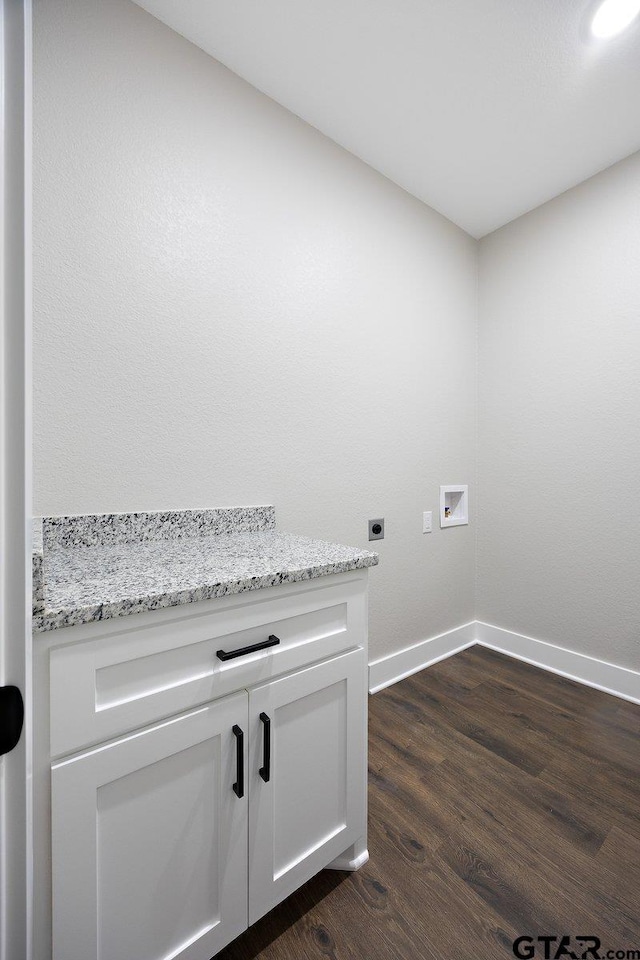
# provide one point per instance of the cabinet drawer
(103, 687)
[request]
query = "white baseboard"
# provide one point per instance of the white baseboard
(618, 681)
(397, 666)
(604, 676)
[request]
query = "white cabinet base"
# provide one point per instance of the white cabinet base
(352, 859)
(142, 848)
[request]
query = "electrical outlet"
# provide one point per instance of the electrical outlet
(426, 521)
(376, 529)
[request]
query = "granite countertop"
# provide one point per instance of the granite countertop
(99, 567)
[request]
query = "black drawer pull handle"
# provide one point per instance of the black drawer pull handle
(238, 787)
(273, 641)
(265, 769)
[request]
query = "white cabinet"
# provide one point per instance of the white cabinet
(149, 842)
(170, 837)
(309, 806)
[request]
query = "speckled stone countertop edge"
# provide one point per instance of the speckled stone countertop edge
(51, 619)
(37, 567)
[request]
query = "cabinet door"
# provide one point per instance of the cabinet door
(313, 805)
(149, 842)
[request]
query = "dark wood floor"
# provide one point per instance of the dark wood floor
(503, 801)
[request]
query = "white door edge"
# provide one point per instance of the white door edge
(15, 467)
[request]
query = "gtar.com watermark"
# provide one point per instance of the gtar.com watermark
(556, 947)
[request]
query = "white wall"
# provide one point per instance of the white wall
(559, 420)
(230, 309)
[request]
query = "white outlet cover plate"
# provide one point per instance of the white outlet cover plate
(427, 521)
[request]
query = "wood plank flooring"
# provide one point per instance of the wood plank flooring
(503, 801)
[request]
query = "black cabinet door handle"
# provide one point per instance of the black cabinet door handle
(238, 787)
(265, 769)
(273, 641)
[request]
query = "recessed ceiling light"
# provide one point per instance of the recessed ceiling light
(613, 16)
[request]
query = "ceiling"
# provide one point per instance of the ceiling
(483, 109)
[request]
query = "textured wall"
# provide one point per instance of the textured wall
(559, 420)
(230, 309)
